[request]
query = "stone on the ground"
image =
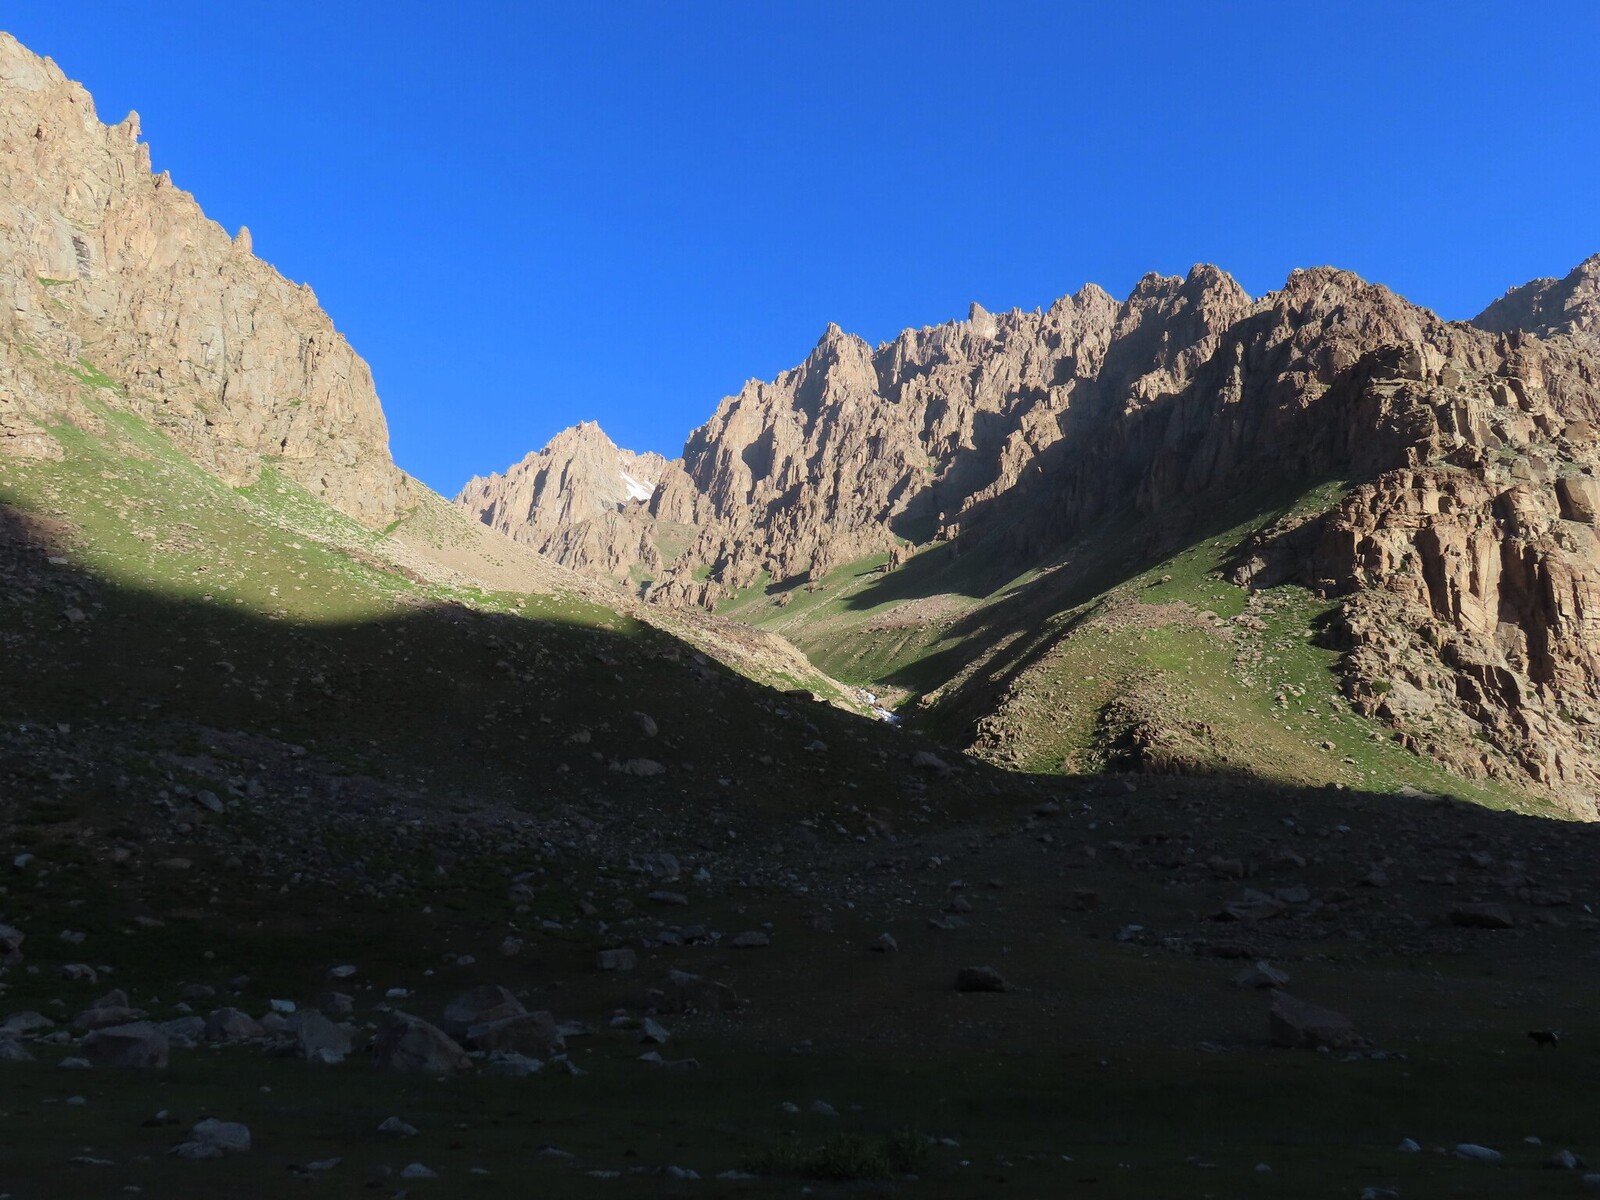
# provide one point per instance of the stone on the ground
(335, 1004)
(397, 1127)
(534, 1034)
(417, 1171)
(980, 979)
(11, 939)
(683, 991)
(232, 1025)
(230, 1136)
(513, 1066)
(1298, 1024)
(411, 1045)
(480, 1006)
(111, 1009)
(1482, 916)
(653, 1032)
(1473, 1152)
(318, 1039)
(622, 958)
(884, 943)
(1564, 1160)
(138, 1044)
(1261, 974)
(196, 1150)
(12, 1052)
(20, 1024)
(750, 939)
(184, 1033)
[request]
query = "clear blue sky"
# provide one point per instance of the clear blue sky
(529, 214)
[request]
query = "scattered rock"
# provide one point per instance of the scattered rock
(979, 979)
(138, 1044)
(480, 1006)
(1261, 975)
(1482, 916)
(228, 1136)
(1298, 1024)
(531, 1033)
(409, 1044)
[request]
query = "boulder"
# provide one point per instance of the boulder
(231, 1025)
(1482, 916)
(318, 1039)
(1298, 1024)
(229, 1136)
(138, 1044)
(336, 1004)
(11, 1052)
(11, 939)
(682, 991)
(111, 1009)
(980, 979)
(513, 1066)
(1261, 974)
(533, 1034)
(20, 1024)
(623, 958)
(480, 1006)
(411, 1045)
(184, 1033)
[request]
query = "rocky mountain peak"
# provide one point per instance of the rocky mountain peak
(1550, 307)
(552, 498)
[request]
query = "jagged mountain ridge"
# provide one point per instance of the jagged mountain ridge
(1469, 449)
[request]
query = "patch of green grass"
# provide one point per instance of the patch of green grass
(92, 376)
(46, 281)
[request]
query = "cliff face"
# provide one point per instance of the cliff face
(114, 284)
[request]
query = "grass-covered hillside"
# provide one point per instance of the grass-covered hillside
(1130, 651)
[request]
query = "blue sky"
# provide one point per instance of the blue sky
(529, 214)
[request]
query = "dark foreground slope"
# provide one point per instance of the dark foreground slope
(213, 806)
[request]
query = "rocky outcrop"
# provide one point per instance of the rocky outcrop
(862, 450)
(581, 501)
(116, 292)
(1550, 307)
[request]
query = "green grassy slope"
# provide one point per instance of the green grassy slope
(170, 595)
(1131, 650)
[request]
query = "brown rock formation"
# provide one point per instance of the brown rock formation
(114, 286)
(1550, 307)
(580, 500)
